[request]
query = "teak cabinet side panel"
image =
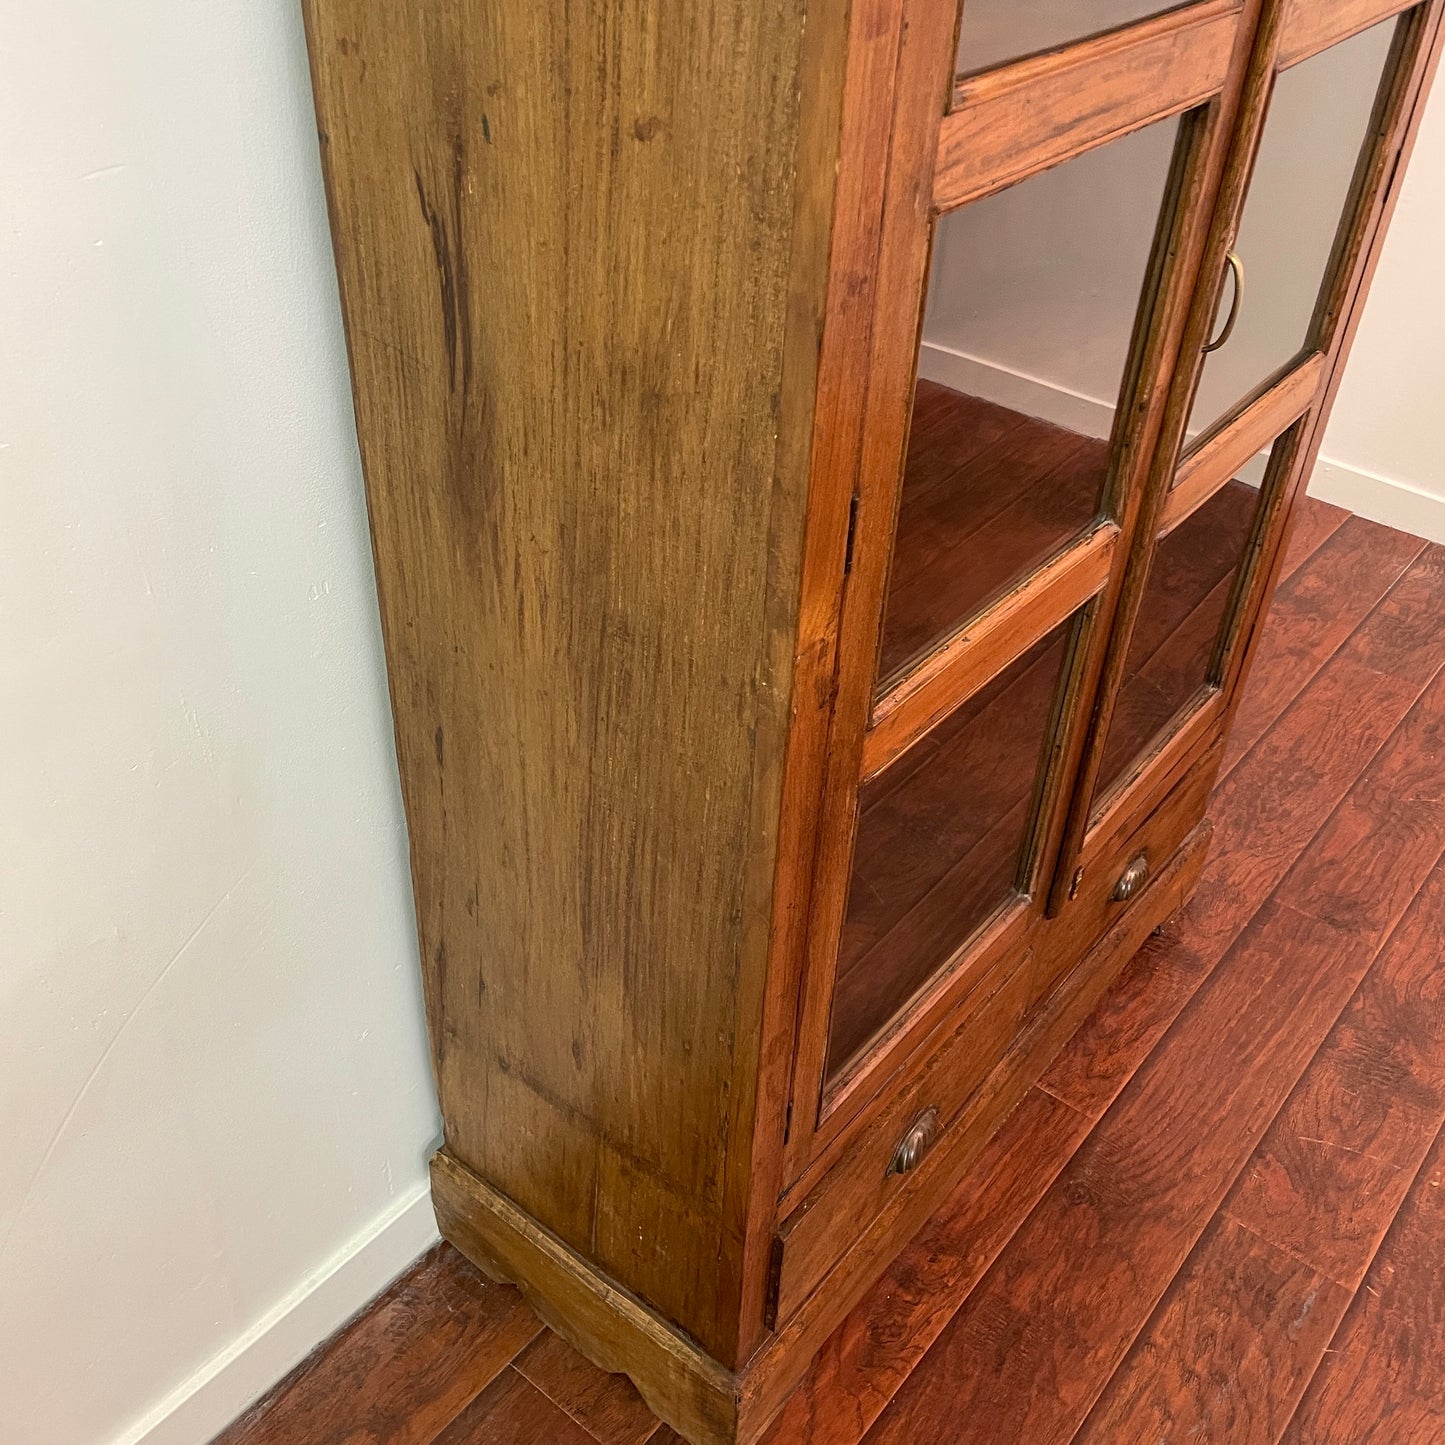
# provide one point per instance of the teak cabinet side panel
(581, 262)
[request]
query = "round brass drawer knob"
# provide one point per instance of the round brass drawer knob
(915, 1143)
(1133, 878)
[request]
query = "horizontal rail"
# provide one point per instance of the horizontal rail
(1011, 123)
(979, 652)
(1203, 472)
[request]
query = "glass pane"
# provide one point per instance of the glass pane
(1317, 126)
(939, 845)
(1186, 600)
(1025, 343)
(993, 31)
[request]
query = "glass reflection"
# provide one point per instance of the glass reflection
(992, 32)
(1172, 652)
(940, 842)
(1026, 341)
(1318, 125)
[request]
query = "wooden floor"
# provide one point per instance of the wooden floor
(1221, 1215)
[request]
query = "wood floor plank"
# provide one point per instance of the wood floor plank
(607, 1406)
(1266, 813)
(1185, 599)
(879, 1343)
(513, 1411)
(1226, 1228)
(1266, 1285)
(1141, 1004)
(983, 556)
(1380, 844)
(937, 853)
(1034, 1344)
(1333, 1170)
(1382, 1381)
(402, 1370)
(1409, 637)
(945, 435)
(1314, 523)
(1228, 1352)
(1029, 494)
(1313, 614)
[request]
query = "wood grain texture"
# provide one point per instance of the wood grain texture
(870, 348)
(1029, 1351)
(607, 1406)
(940, 850)
(1186, 602)
(680, 1382)
(1010, 123)
(1312, 524)
(859, 1187)
(511, 1408)
(588, 565)
(1314, 613)
(1332, 1171)
(1381, 1383)
(772, 1376)
(1231, 1344)
(973, 656)
(1260, 1012)
(974, 520)
(1212, 465)
(1246, 1321)
(872, 1352)
(606, 298)
(1267, 809)
(1310, 27)
(403, 1369)
(1227, 1353)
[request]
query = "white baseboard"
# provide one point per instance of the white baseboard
(1380, 499)
(226, 1384)
(1015, 390)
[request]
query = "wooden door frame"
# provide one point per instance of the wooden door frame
(897, 124)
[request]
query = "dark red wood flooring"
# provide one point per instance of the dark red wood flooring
(1221, 1214)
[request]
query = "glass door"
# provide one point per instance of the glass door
(1308, 181)
(1030, 284)
(1007, 522)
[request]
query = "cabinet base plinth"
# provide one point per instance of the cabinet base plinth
(680, 1382)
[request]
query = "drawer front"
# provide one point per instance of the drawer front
(928, 1113)
(1118, 868)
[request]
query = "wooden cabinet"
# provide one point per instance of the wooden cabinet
(827, 466)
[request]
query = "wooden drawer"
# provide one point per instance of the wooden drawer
(1135, 848)
(943, 1100)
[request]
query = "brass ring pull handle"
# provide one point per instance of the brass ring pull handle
(1236, 269)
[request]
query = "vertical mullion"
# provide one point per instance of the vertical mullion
(1239, 119)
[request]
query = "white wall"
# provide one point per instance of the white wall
(1382, 455)
(1034, 290)
(215, 1103)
